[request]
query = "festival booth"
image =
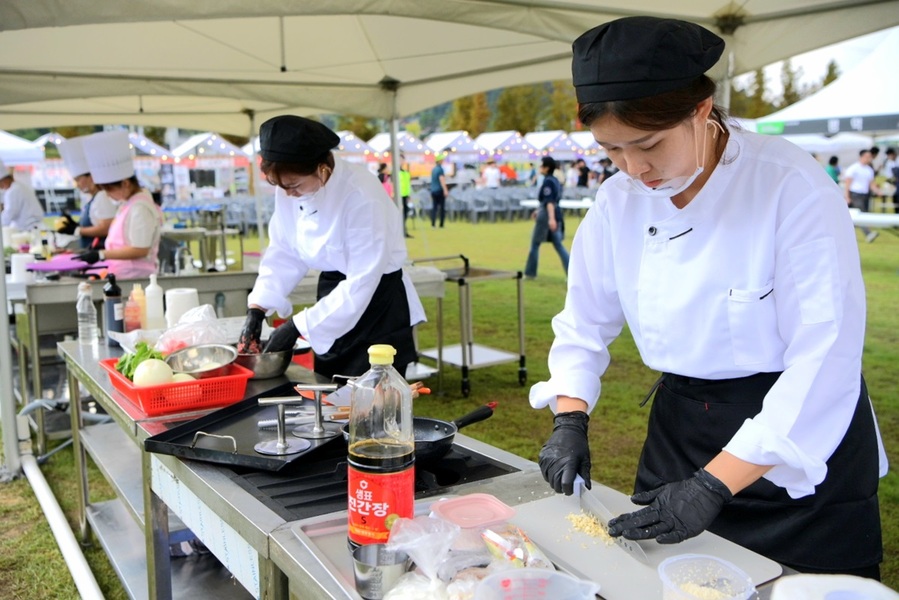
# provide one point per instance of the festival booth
(413, 151)
(507, 146)
(209, 167)
(587, 144)
(353, 149)
(557, 144)
(458, 145)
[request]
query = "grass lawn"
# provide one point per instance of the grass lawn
(30, 565)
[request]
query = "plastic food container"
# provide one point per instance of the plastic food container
(534, 584)
(473, 513)
(169, 398)
(701, 577)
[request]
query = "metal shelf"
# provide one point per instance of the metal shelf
(468, 355)
(194, 576)
(118, 459)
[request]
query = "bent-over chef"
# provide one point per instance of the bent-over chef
(335, 217)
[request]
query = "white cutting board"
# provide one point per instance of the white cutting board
(621, 577)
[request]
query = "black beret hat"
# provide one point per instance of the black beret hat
(295, 139)
(636, 57)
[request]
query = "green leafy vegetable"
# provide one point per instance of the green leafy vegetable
(129, 362)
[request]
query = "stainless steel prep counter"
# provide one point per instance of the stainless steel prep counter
(269, 556)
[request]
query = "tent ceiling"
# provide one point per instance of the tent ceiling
(207, 64)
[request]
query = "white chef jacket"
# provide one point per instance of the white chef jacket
(758, 273)
(350, 226)
(21, 208)
(102, 207)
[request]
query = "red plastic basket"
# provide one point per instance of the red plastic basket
(211, 392)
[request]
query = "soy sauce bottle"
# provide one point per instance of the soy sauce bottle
(114, 309)
(381, 461)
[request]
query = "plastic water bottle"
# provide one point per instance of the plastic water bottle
(87, 315)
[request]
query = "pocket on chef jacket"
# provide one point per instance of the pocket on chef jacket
(748, 312)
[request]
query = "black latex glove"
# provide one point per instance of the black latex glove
(68, 226)
(283, 338)
(676, 511)
(249, 342)
(566, 454)
(90, 257)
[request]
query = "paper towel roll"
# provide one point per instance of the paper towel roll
(17, 270)
(177, 302)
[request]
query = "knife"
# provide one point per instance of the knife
(591, 504)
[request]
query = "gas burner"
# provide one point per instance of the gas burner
(320, 487)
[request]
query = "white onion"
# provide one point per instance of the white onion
(152, 372)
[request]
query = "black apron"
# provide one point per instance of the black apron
(837, 529)
(385, 321)
(88, 241)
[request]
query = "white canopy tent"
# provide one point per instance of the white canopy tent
(865, 99)
(412, 148)
(227, 66)
(557, 144)
(506, 146)
(210, 144)
(18, 151)
(353, 148)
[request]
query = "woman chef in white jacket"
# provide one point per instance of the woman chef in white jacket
(733, 261)
(335, 217)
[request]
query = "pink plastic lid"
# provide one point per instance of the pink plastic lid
(473, 510)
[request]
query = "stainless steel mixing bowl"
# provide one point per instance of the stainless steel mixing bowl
(203, 360)
(266, 364)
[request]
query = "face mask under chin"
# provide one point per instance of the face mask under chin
(676, 185)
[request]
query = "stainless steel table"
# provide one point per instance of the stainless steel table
(49, 307)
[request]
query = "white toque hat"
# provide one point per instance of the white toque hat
(72, 152)
(109, 156)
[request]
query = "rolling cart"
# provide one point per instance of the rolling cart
(468, 355)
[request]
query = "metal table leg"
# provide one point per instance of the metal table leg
(36, 386)
(84, 530)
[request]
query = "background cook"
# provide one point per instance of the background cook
(98, 211)
(732, 259)
(335, 217)
(132, 242)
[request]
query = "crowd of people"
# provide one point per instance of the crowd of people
(867, 179)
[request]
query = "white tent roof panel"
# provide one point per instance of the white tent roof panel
(337, 53)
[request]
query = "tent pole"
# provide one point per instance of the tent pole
(260, 223)
(395, 157)
(728, 79)
(13, 464)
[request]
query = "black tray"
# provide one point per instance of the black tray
(239, 421)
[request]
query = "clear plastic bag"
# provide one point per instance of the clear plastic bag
(197, 326)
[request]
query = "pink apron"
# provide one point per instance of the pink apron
(138, 268)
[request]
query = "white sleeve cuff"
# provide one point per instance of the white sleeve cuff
(576, 384)
(794, 470)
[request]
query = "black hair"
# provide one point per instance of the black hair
(275, 170)
(833, 161)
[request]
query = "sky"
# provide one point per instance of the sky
(814, 64)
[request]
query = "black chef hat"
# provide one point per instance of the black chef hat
(636, 57)
(289, 138)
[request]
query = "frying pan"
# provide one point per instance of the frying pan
(433, 437)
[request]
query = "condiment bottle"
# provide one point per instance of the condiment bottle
(114, 309)
(381, 461)
(155, 313)
(87, 315)
(137, 294)
(132, 309)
